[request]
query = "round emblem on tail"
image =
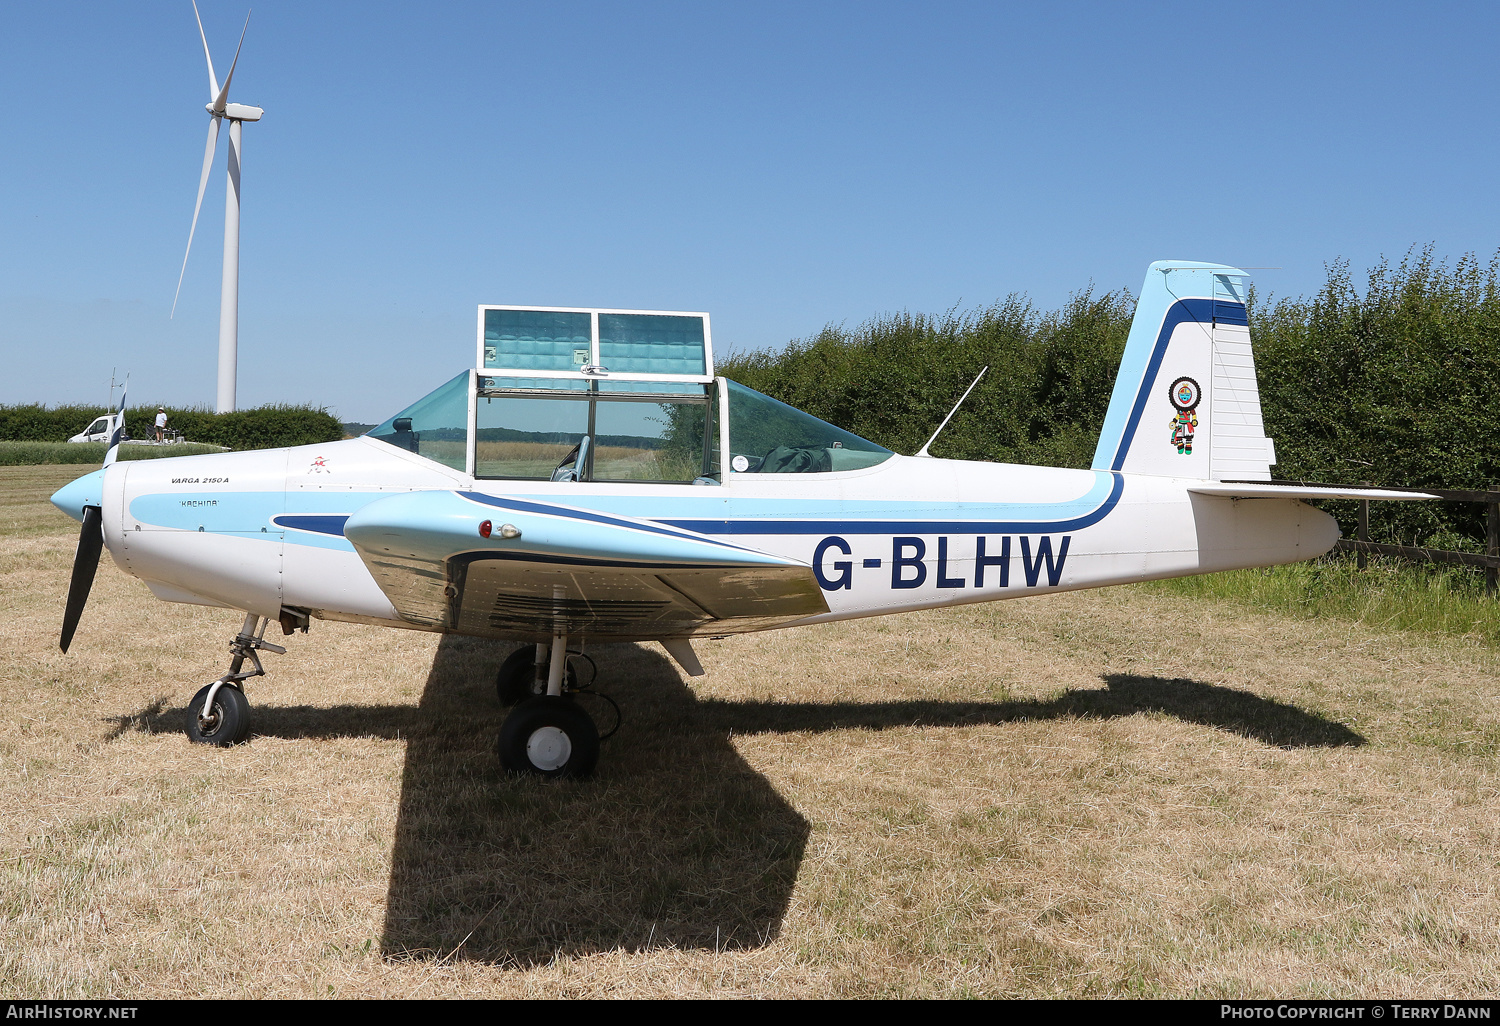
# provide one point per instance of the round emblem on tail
(1185, 394)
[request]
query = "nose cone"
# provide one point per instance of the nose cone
(88, 490)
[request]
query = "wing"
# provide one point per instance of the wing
(482, 565)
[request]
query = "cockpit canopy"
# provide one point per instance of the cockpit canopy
(611, 395)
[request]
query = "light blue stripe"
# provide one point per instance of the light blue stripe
(719, 507)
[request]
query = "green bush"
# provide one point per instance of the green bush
(894, 378)
(1398, 385)
(265, 427)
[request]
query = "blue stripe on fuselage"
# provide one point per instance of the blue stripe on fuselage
(333, 525)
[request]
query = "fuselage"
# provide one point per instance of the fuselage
(264, 530)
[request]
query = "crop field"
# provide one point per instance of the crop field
(1131, 792)
(14, 454)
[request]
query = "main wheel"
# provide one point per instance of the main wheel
(513, 682)
(227, 723)
(517, 674)
(549, 736)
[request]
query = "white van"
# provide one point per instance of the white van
(98, 431)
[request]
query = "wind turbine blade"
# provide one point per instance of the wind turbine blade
(213, 81)
(223, 96)
(208, 164)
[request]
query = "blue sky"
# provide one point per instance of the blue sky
(781, 166)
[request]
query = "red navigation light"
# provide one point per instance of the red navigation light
(485, 528)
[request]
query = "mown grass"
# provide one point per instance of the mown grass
(1390, 593)
(32, 454)
(1122, 792)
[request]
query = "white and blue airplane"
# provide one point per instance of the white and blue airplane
(591, 479)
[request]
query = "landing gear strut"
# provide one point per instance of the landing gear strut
(219, 714)
(546, 734)
(523, 675)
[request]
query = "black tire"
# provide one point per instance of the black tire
(549, 736)
(517, 675)
(229, 723)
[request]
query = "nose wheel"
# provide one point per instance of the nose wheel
(226, 722)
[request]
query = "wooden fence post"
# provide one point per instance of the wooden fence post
(1363, 534)
(1492, 540)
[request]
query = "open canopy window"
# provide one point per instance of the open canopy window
(594, 343)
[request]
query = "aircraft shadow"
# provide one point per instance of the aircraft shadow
(1212, 705)
(675, 842)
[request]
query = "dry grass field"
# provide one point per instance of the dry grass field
(1113, 793)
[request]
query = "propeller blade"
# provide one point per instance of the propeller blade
(85, 565)
(213, 82)
(223, 96)
(118, 434)
(208, 163)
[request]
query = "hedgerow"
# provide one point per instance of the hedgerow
(265, 427)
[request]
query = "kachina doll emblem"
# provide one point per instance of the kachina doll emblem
(1185, 395)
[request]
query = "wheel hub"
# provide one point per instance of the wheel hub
(548, 749)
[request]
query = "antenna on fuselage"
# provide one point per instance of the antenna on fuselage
(923, 451)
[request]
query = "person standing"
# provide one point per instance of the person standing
(161, 422)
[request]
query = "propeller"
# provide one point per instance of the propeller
(218, 98)
(90, 543)
(85, 565)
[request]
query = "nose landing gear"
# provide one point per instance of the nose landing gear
(219, 714)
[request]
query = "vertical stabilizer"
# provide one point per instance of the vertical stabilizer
(1186, 402)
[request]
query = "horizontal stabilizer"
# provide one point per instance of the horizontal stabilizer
(1260, 490)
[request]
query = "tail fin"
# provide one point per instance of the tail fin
(1186, 403)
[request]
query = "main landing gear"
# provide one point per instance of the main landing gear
(219, 714)
(547, 734)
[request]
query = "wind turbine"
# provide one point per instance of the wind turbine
(220, 109)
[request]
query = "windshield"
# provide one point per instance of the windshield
(435, 426)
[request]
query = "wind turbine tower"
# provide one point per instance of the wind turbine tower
(220, 110)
